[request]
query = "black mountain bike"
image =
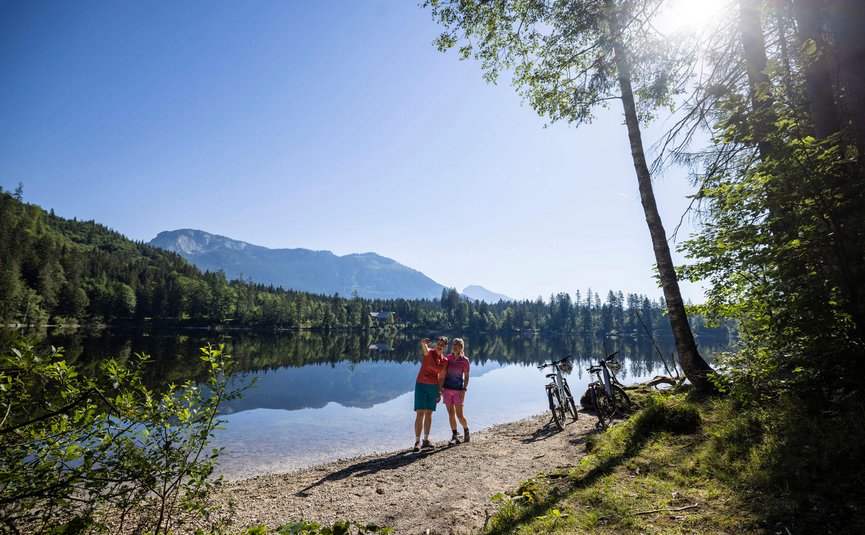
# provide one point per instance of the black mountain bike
(558, 391)
(607, 395)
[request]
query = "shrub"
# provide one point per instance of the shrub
(81, 453)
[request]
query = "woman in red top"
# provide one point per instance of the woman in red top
(428, 389)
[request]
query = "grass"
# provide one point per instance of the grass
(685, 466)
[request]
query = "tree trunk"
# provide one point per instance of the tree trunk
(846, 19)
(760, 89)
(846, 22)
(818, 78)
(695, 367)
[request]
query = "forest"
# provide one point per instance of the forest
(60, 271)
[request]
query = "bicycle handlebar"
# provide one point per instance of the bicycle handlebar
(595, 368)
(554, 363)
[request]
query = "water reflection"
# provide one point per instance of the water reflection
(319, 397)
(298, 370)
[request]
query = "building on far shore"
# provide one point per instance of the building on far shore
(383, 317)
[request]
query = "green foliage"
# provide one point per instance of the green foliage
(104, 452)
(663, 415)
(739, 470)
(806, 456)
(782, 210)
(560, 55)
(781, 242)
(774, 268)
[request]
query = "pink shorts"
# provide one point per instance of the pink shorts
(453, 397)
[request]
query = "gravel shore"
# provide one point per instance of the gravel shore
(445, 491)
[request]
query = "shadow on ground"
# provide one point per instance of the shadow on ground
(372, 466)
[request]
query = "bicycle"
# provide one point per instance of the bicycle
(558, 391)
(607, 393)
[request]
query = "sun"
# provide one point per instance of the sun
(693, 16)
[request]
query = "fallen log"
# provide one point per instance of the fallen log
(665, 379)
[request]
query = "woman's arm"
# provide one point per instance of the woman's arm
(442, 375)
(465, 380)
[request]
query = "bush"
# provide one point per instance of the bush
(807, 457)
(81, 453)
(664, 414)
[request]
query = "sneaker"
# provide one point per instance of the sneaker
(454, 441)
(427, 445)
(466, 436)
(416, 446)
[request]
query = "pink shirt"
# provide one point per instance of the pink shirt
(457, 367)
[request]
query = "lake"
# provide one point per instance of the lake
(320, 397)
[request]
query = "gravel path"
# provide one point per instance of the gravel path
(446, 491)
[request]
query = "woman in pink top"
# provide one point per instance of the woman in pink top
(455, 385)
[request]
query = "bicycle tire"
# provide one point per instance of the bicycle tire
(603, 406)
(621, 402)
(556, 407)
(569, 402)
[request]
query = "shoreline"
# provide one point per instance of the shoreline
(446, 490)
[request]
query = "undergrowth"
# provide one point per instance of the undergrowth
(681, 465)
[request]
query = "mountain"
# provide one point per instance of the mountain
(479, 293)
(322, 272)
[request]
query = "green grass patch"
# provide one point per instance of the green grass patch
(680, 465)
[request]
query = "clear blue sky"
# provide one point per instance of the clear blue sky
(323, 125)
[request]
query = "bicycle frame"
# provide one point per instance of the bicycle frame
(608, 384)
(559, 393)
(557, 379)
(604, 375)
(611, 399)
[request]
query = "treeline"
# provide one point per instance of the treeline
(59, 271)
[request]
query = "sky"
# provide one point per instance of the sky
(326, 125)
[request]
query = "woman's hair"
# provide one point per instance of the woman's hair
(459, 341)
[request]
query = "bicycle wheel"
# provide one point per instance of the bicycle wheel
(603, 406)
(556, 406)
(569, 402)
(621, 402)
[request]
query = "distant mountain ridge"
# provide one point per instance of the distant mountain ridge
(479, 293)
(373, 276)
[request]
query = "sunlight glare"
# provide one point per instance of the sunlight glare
(692, 16)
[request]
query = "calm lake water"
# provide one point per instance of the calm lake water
(320, 397)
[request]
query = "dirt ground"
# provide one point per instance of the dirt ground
(445, 491)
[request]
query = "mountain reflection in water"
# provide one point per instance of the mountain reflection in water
(319, 397)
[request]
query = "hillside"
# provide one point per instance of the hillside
(64, 271)
(370, 275)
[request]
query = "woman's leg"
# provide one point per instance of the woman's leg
(452, 416)
(427, 422)
(459, 415)
(418, 422)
